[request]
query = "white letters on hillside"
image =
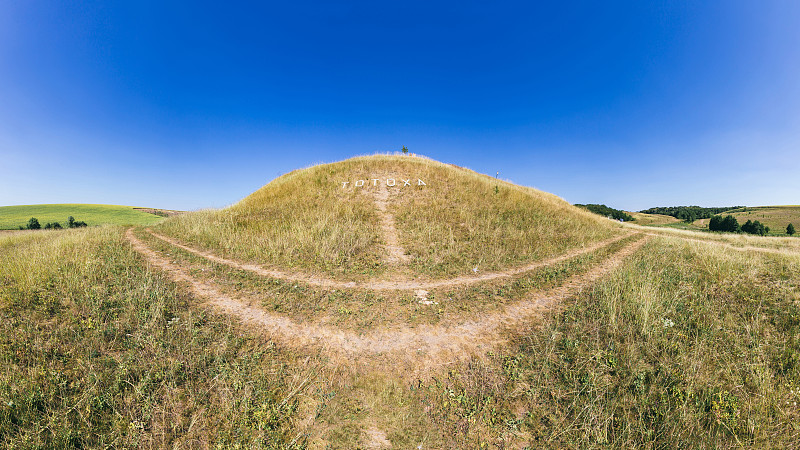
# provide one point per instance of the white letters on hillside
(390, 182)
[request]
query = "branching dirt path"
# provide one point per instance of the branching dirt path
(396, 254)
(388, 284)
(421, 342)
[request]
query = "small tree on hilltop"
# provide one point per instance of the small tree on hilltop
(790, 229)
(405, 149)
(70, 222)
(33, 224)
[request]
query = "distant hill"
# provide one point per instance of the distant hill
(13, 217)
(775, 217)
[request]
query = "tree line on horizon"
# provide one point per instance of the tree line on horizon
(607, 211)
(33, 224)
(689, 213)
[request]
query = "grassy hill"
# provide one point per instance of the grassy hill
(653, 219)
(588, 334)
(775, 217)
(12, 217)
(457, 221)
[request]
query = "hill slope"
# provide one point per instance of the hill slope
(369, 215)
(12, 217)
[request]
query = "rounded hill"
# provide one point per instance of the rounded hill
(368, 216)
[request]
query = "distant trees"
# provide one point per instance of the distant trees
(71, 223)
(604, 210)
(33, 224)
(790, 229)
(727, 223)
(755, 228)
(731, 225)
(689, 213)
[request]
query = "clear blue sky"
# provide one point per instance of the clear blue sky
(188, 105)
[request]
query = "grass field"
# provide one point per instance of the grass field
(665, 338)
(775, 217)
(686, 344)
(12, 217)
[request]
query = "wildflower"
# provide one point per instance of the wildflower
(475, 270)
(667, 323)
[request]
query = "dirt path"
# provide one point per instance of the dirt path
(387, 284)
(421, 342)
(396, 254)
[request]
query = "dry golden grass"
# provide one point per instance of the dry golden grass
(775, 217)
(458, 221)
(652, 219)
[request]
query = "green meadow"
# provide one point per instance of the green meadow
(13, 217)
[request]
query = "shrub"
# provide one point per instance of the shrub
(755, 228)
(405, 149)
(790, 229)
(71, 223)
(727, 223)
(33, 224)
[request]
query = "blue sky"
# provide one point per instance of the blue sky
(190, 105)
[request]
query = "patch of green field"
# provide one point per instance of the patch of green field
(13, 217)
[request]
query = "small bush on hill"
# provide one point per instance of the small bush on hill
(790, 229)
(52, 226)
(33, 224)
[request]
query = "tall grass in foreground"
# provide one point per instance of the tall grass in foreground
(96, 350)
(687, 346)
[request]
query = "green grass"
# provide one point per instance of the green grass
(686, 346)
(365, 310)
(97, 350)
(12, 217)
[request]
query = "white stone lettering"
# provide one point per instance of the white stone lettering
(391, 182)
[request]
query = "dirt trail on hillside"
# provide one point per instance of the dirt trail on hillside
(395, 251)
(419, 343)
(388, 285)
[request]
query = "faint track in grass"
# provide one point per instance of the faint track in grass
(381, 285)
(421, 342)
